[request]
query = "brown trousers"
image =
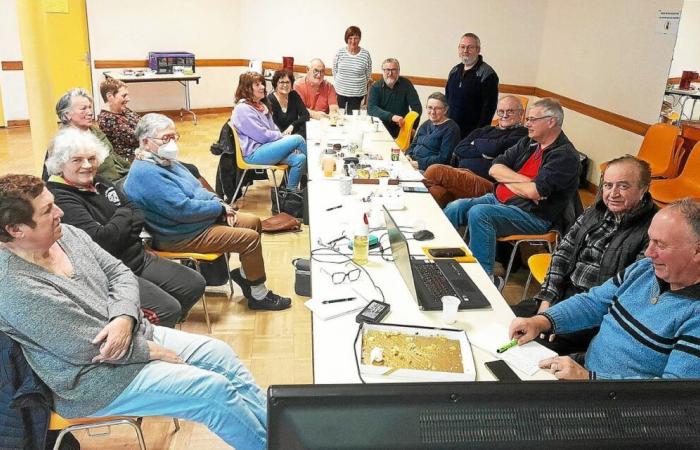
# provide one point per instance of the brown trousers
(448, 183)
(242, 238)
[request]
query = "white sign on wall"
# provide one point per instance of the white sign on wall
(667, 22)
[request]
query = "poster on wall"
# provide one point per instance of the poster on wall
(667, 21)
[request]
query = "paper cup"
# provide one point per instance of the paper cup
(345, 185)
(449, 309)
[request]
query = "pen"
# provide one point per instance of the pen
(334, 207)
(505, 347)
(338, 300)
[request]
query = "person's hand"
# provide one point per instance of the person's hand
(288, 131)
(115, 339)
(564, 368)
(525, 330)
(414, 164)
(230, 214)
(398, 120)
(158, 352)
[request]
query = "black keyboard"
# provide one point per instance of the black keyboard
(433, 279)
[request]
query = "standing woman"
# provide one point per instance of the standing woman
(288, 110)
(261, 141)
(352, 71)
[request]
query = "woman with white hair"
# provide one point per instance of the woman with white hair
(74, 109)
(182, 216)
(167, 290)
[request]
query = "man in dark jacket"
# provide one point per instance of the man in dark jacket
(476, 152)
(606, 239)
(392, 97)
(536, 180)
(472, 87)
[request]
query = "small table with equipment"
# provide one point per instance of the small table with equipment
(148, 77)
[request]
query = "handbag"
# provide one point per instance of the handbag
(280, 223)
(291, 202)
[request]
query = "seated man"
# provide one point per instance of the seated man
(392, 97)
(649, 315)
(606, 239)
(476, 152)
(318, 94)
(74, 310)
(537, 180)
(185, 217)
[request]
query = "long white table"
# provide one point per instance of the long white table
(333, 350)
(182, 79)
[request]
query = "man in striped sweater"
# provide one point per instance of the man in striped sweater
(649, 315)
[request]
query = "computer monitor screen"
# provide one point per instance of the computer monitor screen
(535, 414)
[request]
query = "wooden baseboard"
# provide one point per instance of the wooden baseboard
(175, 113)
(11, 65)
(17, 123)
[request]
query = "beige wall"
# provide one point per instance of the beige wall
(687, 53)
(606, 54)
(12, 82)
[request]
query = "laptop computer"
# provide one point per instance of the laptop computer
(429, 281)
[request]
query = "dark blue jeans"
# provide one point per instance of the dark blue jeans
(489, 219)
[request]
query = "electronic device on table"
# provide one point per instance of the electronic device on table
(652, 414)
(501, 370)
(163, 62)
(416, 189)
(429, 281)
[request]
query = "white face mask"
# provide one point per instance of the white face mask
(168, 151)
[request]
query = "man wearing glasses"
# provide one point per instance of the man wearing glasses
(318, 95)
(476, 152)
(472, 87)
(392, 97)
(536, 181)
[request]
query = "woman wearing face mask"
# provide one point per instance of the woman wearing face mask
(167, 290)
(288, 110)
(261, 141)
(184, 217)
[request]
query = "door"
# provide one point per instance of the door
(68, 46)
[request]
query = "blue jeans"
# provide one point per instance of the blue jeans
(213, 388)
(283, 151)
(489, 219)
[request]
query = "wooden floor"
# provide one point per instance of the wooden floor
(276, 346)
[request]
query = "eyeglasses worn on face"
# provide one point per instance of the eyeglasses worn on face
(284, 82)
(167, 138)
(318, 72)
(389, 70)
(535, 119)
(469, 48)
(507, 112)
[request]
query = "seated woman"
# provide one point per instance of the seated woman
(436, 138)
(74, 109)
(74, 310)
(261, 140)
(288, 110)
(184, 217)
(167, 289)
(118, 123)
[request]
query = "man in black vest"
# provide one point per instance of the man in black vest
(606, 238)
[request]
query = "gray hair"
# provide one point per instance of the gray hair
(439, 96)
(472, 36)
(690, 210)
(150, 125)
(65, 103)
(515, 98)
(392, 61)
(67, 142)
(551, 107)
(311, 63)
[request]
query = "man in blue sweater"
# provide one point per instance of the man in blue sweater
(649, 315)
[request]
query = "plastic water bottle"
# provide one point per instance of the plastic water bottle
(360, 244)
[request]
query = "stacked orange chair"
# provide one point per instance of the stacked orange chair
(687, 184)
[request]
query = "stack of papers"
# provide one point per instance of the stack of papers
(525, 358)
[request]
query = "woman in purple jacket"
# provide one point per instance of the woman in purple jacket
(261, 140)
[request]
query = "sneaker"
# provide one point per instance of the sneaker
(242, 282)
(271, 302)
(499, 282)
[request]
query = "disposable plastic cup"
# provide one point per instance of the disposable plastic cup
(345, 185)
(449, 309)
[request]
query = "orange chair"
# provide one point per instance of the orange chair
(539, 265)
(550, 239)
(403, 140)
(64, 426)
(658, 148)
(687, 184)
(524, 101)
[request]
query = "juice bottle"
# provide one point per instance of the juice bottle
(360, 244)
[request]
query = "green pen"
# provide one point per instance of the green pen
(505, 347)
